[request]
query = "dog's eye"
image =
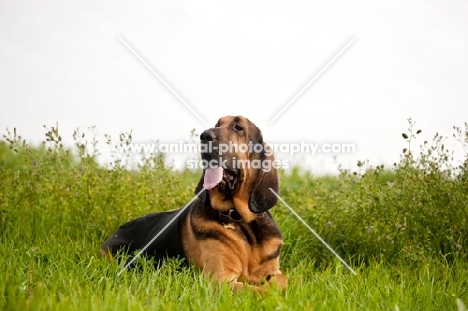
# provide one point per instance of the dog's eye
(238, 128)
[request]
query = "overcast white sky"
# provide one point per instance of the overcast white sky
(62, 61)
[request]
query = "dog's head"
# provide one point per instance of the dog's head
(237, 162)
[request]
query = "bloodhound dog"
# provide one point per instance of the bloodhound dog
(227, 231)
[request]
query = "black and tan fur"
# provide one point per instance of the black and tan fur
(228, 231)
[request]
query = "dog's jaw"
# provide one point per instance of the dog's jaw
(225, 180)
(229, 182)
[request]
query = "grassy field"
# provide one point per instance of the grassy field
(403, 229)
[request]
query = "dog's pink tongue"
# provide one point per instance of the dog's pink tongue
(212, 177)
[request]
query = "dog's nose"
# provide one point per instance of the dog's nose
(207, 136)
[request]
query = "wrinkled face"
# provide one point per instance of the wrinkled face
(226, 149)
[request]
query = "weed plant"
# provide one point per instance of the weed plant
(403, 229)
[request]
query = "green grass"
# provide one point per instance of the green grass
(403, 230)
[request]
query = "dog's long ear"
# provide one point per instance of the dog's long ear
(262, 199)
(203, 195)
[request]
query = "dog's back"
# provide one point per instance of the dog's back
(136, 234)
